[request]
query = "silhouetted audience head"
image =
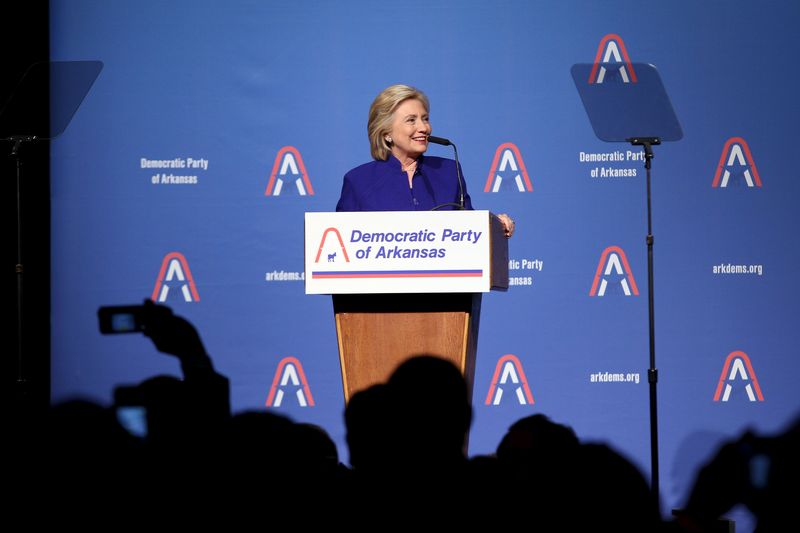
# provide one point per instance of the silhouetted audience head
(432, 411)
(612, 493)
(538, 457)
(369, 436)
(315, 448)
(259, 441)
(536, 440)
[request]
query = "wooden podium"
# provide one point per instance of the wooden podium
(389, 308)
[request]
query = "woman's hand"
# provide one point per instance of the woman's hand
(508, 224)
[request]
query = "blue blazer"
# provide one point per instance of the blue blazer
(383, 186)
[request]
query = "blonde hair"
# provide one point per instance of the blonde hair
(381, 113)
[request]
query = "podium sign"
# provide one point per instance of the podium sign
(398, 252)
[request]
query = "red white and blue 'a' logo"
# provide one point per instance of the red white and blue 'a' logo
(612, 50)
(175, 274)
(509, 376)
(332, 251)
(613, 268)
(738, 372)
(289, 174)
(290, 380)
(736, 161)
(508, 171)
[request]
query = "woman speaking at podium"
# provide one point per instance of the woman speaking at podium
(401, 177)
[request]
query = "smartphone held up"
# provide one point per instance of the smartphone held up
(121, 319)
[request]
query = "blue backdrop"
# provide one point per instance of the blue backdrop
(219, 90)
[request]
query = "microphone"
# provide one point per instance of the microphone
(440, 140)
(446, 142)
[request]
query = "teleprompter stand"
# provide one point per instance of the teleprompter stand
(41, 107)
(626, 102)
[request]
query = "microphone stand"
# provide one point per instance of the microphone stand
(460, 204)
